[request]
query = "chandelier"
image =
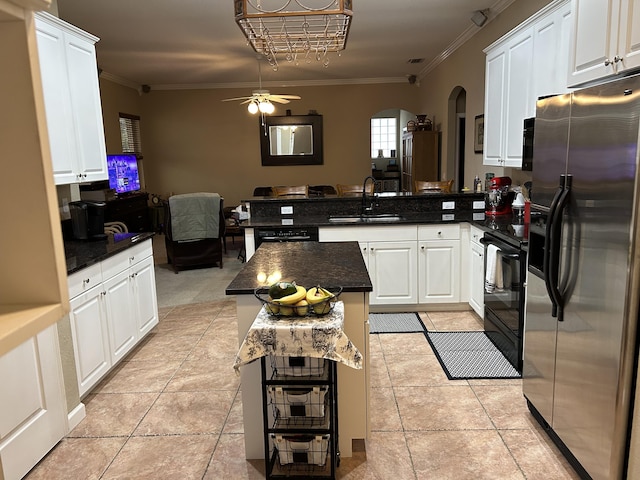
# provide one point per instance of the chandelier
(295, 29)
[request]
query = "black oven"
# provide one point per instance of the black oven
(285, 234)
(504, 307)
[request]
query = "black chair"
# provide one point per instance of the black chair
(262, 192)
(193, 253)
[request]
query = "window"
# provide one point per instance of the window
(130, 134)
(383, 137)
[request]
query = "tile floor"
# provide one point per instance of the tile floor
(172, 410)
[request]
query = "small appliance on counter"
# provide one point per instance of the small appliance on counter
(87, 220)
(499, 196)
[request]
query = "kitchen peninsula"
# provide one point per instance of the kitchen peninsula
(309, 264)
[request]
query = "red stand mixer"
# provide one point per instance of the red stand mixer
(499, 198)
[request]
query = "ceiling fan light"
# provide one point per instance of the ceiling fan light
(266, 106)
(252, 107)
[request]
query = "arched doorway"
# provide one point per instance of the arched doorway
(457, 107)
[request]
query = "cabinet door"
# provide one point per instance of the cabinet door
(55, 86)
(518, 101)
(476, 299)
(392, 267)
(551, 44)
(144, 295)
(439, 267)
(629, 35)
(121, 315)
(594, 42)
(33, 413)
(495, 95)
(90, 337)
(86, 108)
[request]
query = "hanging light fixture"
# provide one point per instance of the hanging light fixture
(309, 29)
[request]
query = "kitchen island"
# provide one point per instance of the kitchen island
(309, 264)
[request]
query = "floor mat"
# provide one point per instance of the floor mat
(468, 355)
(395, 323)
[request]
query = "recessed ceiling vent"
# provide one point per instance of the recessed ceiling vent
(415, 60)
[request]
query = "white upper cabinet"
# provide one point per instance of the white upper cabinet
(528, 62)
(508, 90)
(72, 101)
(606, 39)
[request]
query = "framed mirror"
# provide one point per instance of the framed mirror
(291, 140)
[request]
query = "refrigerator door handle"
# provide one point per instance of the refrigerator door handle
(548, 242)
(556, 245)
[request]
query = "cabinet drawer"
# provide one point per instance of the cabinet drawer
(123, 260)
(84, 280)
(439, 232)
(476, 235)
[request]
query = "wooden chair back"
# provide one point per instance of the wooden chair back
(444, 186)
(297, 190)
(347, 190)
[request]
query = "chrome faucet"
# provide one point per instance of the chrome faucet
(367, 202)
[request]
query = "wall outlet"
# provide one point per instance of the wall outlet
(478, 204)
(288, 210)
(448, 217)
(448, 205)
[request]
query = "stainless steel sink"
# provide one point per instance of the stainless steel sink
(378, 218)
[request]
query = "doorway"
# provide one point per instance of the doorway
(457, 107)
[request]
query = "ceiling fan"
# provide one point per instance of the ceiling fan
(260, 100)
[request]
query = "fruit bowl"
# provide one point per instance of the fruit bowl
(318, 309)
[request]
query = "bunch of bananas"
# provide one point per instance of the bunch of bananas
(287, 298)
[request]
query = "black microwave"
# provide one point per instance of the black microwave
(527, 144)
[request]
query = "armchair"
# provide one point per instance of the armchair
(194, 230)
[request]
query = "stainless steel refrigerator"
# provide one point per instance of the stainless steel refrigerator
(580, 340)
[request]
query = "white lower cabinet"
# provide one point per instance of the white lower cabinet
(90, 337)
(476, 278)
(393, 272)
(439, 264)
(33, 413)
(108, 319)
(391, 262)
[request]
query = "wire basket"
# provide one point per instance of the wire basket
(318, 309)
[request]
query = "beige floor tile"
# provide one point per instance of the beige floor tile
(384, 411)
(235, 422)
(440, 408)
(456, 321)
(375, 348)
(209, 309)
(461, 455)
(417, 370)
(75, 458)
(505, 405)
(164, 347)
(197, 376)
(113, 414)
(428, 324)
(180, 413)
(387, 457)
(163, 457)
(405, 344)
(183, 325)
(228, 461)
(134, 376)
(378, 373)
(496, 381)
(538, 458)
(216, 347)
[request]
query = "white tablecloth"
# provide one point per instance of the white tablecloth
(313, 336)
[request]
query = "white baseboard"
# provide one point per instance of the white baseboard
(76, 416)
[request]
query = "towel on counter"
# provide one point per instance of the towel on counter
(493, 280)
(195, 216)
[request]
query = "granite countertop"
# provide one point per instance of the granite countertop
(509, 228)
(306, 263)
(410, 218)
(80, 254)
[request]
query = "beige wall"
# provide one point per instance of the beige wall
(465, 68)
(193, 141)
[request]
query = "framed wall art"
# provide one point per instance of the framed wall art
(478, 136)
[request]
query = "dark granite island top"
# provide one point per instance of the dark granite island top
(306, 263)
